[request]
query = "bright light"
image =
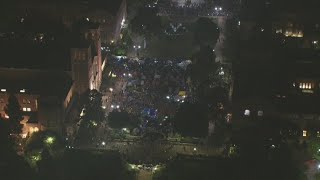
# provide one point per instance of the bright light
(216, 8)
(220, 8)
(194, 149)
(112, 106)
(24, 135)
(139, 47)
(118, 106)
(87, 19)
(130, 75)
(304, 133)
(22, 90)
(213, 50)
(239, 23)
(6, 116)
(247, 112)
(318, 166)
(82, 112)
(111, 89)
(49, 140)
(182, 101)
(36, 158)
(103, 143)
(3, 90)
(112, 41)
(168, 97)
(104, 107)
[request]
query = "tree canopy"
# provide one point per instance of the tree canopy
(206, 32)
(146, 22)
(119, 120)
(13, 110)
(92, 115)
(192, 120)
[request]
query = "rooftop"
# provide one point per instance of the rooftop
(39, 82)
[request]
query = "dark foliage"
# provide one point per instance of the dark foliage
(192, 120)
(13, 110)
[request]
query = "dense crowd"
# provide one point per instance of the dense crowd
(150, 89)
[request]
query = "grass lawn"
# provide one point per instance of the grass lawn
(171, 46)
(95, 165)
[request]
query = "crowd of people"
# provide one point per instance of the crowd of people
(150, 89)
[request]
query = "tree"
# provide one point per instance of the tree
(46, 166)
(13, 110)
(146, 22)
(203, 65)
(206, 32)
(5, 139)
(91, 117)
(192, 120)
(11, 163)
(119, 120)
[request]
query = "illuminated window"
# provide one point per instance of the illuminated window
(22, 90)
(260, 113)
(36, 129)
(3, 90)
(6, 116)
(300, 85)
(303, 85)
(29, 109)
(318, 133)
(24, 109)
(247, 112)
(304, 133)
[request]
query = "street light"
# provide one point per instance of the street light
(103, 143)
(118, 106)
(111, 89)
